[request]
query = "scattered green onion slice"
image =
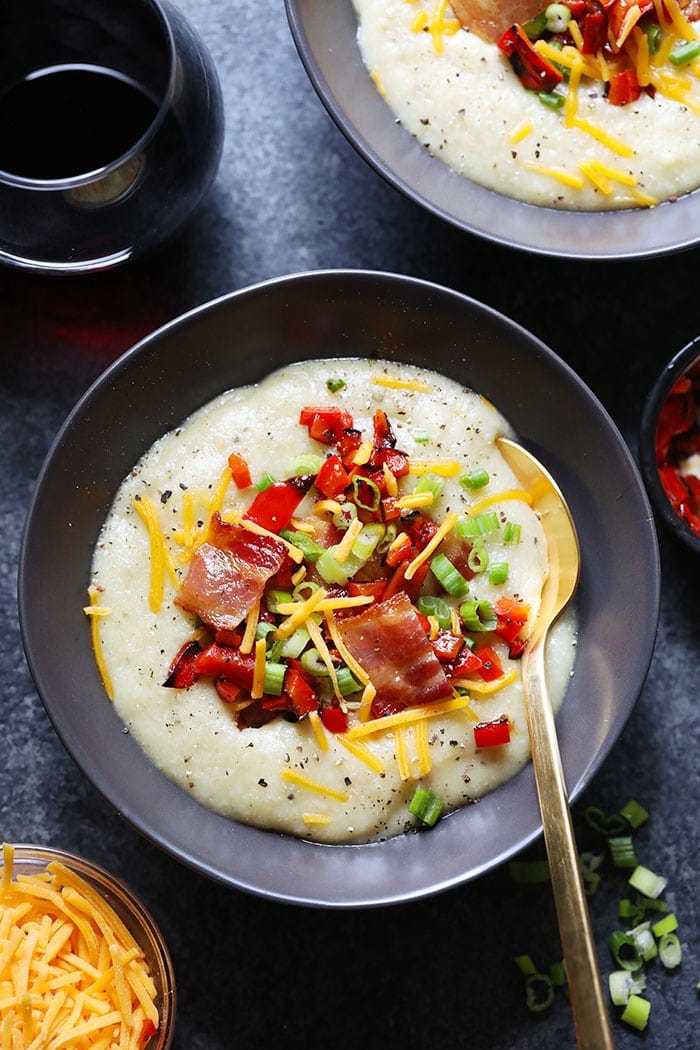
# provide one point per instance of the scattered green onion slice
(294, 646)
(265, 481)
(274, 678)
(334, 385)
(311, 550)
(367, 542)
(263, 629)
(421, 437)
(551, 99)
(333, 571)
(498, 572)
(475, 479)
(654, 37)
(273, 598)
(431, 483)
(448, 576)
(684, 53)
(668, 924)
(670, 951)
(636, 1013)
(311, 661)
(622, 851)
(536, 26)
(557, 973)
(347, 683)
(511, 532)
(644, 939)
(603, 824)
(625, 951)
(431, 605)
(539, 992)
(308, 463)
(558, 17)
(525, 965)
(622, 984)
(345, 515)
(479, 525)
(647, 882)
(478, 558)
(478, 615)
(634, 814)
(426, 807)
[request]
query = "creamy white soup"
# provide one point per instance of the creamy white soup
(310, 600)
(621, 128)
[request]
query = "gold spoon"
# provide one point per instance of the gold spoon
(585, 988)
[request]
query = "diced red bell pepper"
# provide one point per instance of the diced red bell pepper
(446, 646)
(511, 617)
(467, 663)
(533, 71)
(347, 445)
(274, 506)
(226, 636)
(227, 691)
(595, 32)
(219, 661)
(618, 10)
(383, 434)
(148, 1029)
(240, 471)
(395, 461)
(492, 734)
(368, 588)
(398, 552)
(390, 511)
(334, 719)
(421, 530)
(577, 8)
(183, 671)
(325, 424)
(332, 478)
(491, 667)
(413, 586)
(623, 88)
(676, 417)
(302, 696)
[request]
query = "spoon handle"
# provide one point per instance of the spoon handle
(585, 988)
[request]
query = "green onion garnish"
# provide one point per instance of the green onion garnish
(366, 543)
(334, 385)
(332, 571)
(478, 557)
(421, 437)
(685, 53)
(622, 851)
(346, 682)
(605, 825)
(622, 984)
(625, 951)
(426, 807)
(263, 629)
(309, 463)
(311, 550)
(551, 99)
(654, 37)
(431, 483)
(274, 678)
(273, 598)
(498, 572)
(476, 479)
(345, 515)
(536, 26)
(480, 525)
(557, 973)
(511, 532)
(647, 882)
(525, 965)
(644, 939)
(636, 1013)
(478, 615)
(668, 924)
(539, 992)
(634, 814)
(448, 576)
(311, 661)
(294, 646)
(670, 951)
(431, 605)
(265, 481)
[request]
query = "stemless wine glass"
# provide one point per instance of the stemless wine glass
(111, 128)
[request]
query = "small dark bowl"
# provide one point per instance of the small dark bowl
(237, 340)
(679, 364)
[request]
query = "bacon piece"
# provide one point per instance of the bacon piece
(488, 18)
(228, 574)
(389, 642)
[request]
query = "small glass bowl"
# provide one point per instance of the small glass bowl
(679, 365)
(33, 860)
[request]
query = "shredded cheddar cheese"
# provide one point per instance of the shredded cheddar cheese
(344, 548)
(401, 384)
(444, 468)
(315, 819)
(361, 751)
(402, 760)
(447, 524)
(520, 133)
(251, 626)
(145, 509)
(258, 686)
(302, 613)
(499, 497)
(319, 731)
(71, 973)
(291, 776)
(96, 611)
(406, 717)
(486, 688)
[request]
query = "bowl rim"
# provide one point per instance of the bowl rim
(136, 914)
(673, 370)
(343, 85)
(165, 830)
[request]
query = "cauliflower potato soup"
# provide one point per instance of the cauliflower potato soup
(309, 600)
(584, 106)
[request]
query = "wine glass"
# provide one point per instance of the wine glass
(111, 129)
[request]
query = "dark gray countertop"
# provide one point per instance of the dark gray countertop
(292, 195)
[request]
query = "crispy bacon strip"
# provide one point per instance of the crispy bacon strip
(228, 574)
(488, 19)
(388, 640)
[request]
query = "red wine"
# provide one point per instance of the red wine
(65, 121)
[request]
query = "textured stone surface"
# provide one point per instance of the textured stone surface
(293, 195)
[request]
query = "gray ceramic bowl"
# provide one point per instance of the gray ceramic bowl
(238, 339)
(325, 36)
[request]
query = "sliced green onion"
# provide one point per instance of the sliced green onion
(365, 493)
(303, 590)
(274, 678)
(311, 550)
(334, 385)
(390, 533)
(511, 532)
(475, 479)
(551, 99)
(654, 37)
(448, 576)
(421, 437)
(636, 1013)
(426, 807)
(346, 682)
(529, 871)
(622, 851)
(558, 17)
(432, 605)
(632, 912)
(311, 661)
(498, 572)
(294, 646)
(488, 522)
(670, 951)
(265, 481)
(431, 483)
(536, 26)
(333, 571)
(625, 951)
(647, 904)
(634, 814)
(539, 992)
(557, 973)
(273, 598)
(479, 525)
(685, 53)
(668, 924)
(647, 882)
(263, 629)
(644, 939)
(308, 463)
(478, 557)
(622, 984)
(603, 824)
(525, 965)
(478, 615)
(367, 542)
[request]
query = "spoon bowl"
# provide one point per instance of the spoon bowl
(585, 988)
